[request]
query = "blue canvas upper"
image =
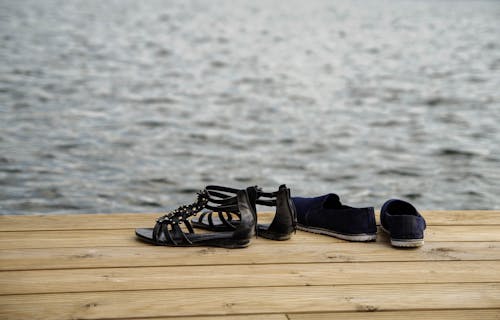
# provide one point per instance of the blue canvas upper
(402, 220)
(328, 212)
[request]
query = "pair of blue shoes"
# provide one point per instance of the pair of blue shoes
(327, 215)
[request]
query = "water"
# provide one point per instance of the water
(132, 106)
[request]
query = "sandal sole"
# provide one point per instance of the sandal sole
(222, 243)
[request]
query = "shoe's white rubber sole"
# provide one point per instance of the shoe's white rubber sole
(404, 243)
(407, 243)
(363, 237)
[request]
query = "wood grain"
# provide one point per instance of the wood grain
(228, 301)
(261, 252)
(223, 276)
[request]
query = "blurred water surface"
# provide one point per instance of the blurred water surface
(132, 106)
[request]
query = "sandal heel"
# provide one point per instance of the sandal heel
(285, 219)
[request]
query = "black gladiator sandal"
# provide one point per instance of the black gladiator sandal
(281, 228)
(168, 232)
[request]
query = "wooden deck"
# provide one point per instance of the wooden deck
(92, 267)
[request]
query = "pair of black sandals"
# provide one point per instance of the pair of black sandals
(231, 216)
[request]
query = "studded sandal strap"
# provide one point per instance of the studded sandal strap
(169, 225)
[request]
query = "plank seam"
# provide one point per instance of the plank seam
(247, 264)
(253, 287)
(392, 311)
(237, 264)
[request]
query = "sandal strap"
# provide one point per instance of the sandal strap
(227, 218)
(226, 196)
(223, 196)
(228, 210)
(213, 192)
(268, 203)
(220, 194)
(169, 224)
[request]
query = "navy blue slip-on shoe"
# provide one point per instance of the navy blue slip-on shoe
(403, 223)
(326, 215)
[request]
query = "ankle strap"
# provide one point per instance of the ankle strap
(224, 197)
(227, 196)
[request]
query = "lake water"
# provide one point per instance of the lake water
(132, 106)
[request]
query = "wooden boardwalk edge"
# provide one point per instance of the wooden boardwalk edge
(134, 220)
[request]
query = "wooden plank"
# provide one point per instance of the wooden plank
(403, 315)
(131, 220)
(461, 314)
(226, 301)
(77, 221)
(274, 275)
(475, 314)
(459, 217)
(260, 252)
(68, 239)
(268, 316)
(126, 237)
